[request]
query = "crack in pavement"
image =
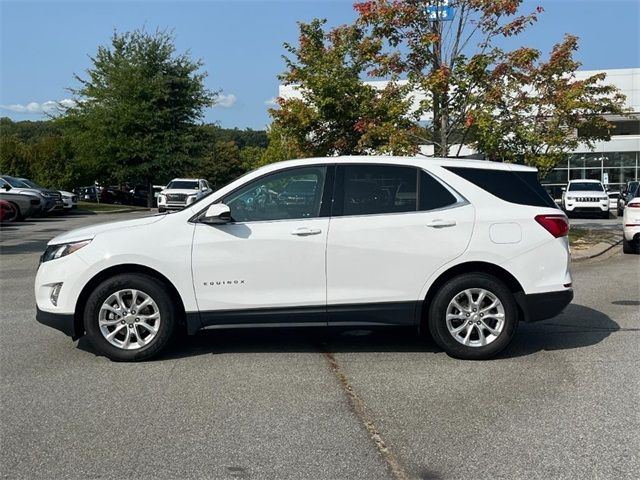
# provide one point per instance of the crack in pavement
(359, 408)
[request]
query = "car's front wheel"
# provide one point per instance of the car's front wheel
(473, 316)
(130, 317)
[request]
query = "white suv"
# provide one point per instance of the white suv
(462, 248)
(586, 196)
(182, 192)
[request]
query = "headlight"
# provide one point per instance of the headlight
(192, 198)
(58, 251)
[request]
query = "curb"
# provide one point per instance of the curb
(120, 210)
(597, 254)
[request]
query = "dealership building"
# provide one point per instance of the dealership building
(614, 162)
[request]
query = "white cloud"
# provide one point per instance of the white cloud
(271, 102)
(50, 106)
(225, 101)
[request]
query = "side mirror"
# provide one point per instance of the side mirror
(7, 187)
(217, 214)
(564, 189)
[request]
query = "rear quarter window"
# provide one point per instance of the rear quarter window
(522, 188)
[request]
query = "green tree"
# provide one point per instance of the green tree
(136, 110)
(53, 164)
(220, 164)
(533, 113)
(14, 156)
(464, 77)
(281, 146)
(338, 113)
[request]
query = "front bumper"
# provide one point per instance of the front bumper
(63, 322)
(587, 207)
(540, 306)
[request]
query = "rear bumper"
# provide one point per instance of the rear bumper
(63, 322)
(540, 306)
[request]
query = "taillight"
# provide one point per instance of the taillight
(633, 205)
(556, 225)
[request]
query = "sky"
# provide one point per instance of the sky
(43, 44)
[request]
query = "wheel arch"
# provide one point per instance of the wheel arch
(471, 267)
(116, 270)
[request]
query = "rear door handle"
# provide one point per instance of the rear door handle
(441, 223)
(305, 232)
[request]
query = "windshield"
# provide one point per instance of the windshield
(14, 182)
(183, 185)
(586, 187)
(30, 183)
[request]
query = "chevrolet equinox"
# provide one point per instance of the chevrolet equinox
(464, 249)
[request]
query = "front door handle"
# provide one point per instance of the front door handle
(441, 223)
(304, 231)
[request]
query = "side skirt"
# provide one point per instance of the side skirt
(367, 314)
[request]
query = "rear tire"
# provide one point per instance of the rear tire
(161, 210)
(471, 330)
(630, 247)
(135, 311)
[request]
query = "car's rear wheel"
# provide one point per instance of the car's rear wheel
(130, 317)
(473, 316)
(630, 247)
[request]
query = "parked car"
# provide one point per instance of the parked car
(182, 192)
(614, 196)
(23, 203)
(50, 200)
(115, 195)
(467, 258)
(631, 225)
(29, 183)
(69, 200)
(8, 212)
(139, 194)
(585, 196)
(628, 192)
(88, 194)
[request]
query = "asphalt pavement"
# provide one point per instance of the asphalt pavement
(560, 402)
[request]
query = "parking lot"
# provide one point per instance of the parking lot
(560, 402)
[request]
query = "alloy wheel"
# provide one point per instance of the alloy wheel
(475, 317)
(129, 319)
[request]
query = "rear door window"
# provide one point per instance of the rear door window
(376, 189)
(433, 194)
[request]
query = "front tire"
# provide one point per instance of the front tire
(14, 214)
(130, 317)
(473, 316)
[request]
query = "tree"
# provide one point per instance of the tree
(534, 109)
(136, 111)
(220, 164)
(14, 156)
(337, 113)
(471, 86)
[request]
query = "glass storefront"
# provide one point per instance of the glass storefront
(619, 167)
